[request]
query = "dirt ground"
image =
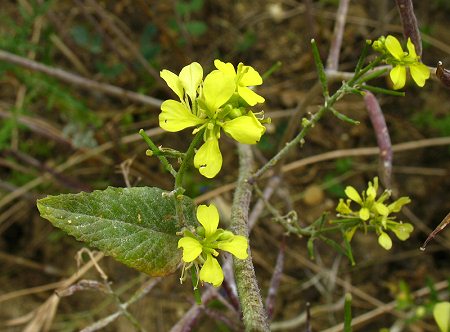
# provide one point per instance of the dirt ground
(60, 137)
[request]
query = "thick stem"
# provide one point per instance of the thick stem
(383, 138)
(409, 22)
(254, 314)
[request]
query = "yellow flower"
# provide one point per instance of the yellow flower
(401, 60)
(244, 77)
(373, 211)
(211, 104)
(200, 250)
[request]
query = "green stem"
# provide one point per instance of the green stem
(346, 87)
(348, 313)
(367, 68)
(320, 69)
(376, 89)
(187, 160)
(254, 314)
(297, 139)
(276, 66)
(374, 74)
(179, 190)
(158, 153)
(363, 56)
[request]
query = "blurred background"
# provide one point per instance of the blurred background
(66, 128)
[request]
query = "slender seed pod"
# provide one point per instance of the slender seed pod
(443, 74)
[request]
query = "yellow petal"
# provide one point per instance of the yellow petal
(226, 68)
(411, 49)
(191, 77)
(398, 204)
(393, 46)
(343, 207)
(353, 194)
(420, 73)
(385, 241)
(381, 209)
(250, 96)
(364, 214)
(398, 77)
(371, 192)
(217, 89)
(251, 77)
(441, 314)
(237, 246)
(208, 216)
(191, 248)
(175, 116)
(173, 81)
(208, 158)
(349, 233)
(245, 129)
(402, 230)
(211, 272)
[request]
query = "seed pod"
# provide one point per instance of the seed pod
(439, 228)
(443, 74)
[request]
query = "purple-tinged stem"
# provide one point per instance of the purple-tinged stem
(275, 281)
(409, 23)
(383, 138)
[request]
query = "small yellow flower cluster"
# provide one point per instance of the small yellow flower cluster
(200, 249)
(220, 101)
(400, 60)
(373, 213)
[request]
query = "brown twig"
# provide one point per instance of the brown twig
(336, 42)
(42, 318)
(186, 323)
(275, 280)
(80, 81)
(336, 154)
(126, 41)
(65, 180)
(72, 161)
(12, 259)
(140, 293)
(388, 308)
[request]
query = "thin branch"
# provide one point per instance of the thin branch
(336, 43)
(130, 46)
(187, 322)
(80, 81)
(139, 294)
(388, 308)
(275, 280)
(332, 155)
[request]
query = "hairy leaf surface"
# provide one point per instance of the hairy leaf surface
(137, 226)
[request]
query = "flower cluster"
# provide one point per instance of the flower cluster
(375, 213)
(220, 101)
(200, 249)
(400, 60)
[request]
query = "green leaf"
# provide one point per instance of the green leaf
(136, 226)
(441, 314)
